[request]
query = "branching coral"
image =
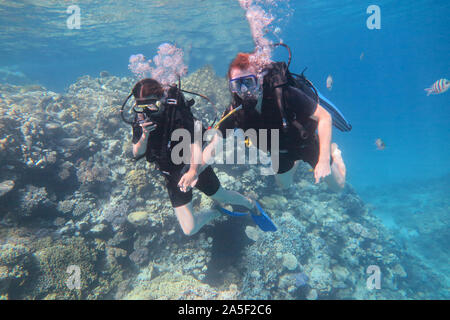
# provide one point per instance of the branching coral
(88, 172)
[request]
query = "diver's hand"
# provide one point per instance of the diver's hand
(188, 180)
(322, 170)
(148, 127)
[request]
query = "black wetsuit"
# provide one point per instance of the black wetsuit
(159, 149)
(293, 145)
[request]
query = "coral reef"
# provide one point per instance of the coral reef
(206, 82)
(420, 224)
(177, 287)
(52, 276)
(69, 186)
(15, 260)
(33, 198)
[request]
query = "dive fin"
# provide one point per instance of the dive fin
(232, 213)
(262, 219)
(339, 120)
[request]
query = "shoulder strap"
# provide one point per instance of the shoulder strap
(278, 79)
(275, 80)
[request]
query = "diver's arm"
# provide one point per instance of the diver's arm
(196, 148)
(190, 178)
(196, 158)
(140, 147)
(209, 152)
(206, 155)
(324, 130)
(199, 162)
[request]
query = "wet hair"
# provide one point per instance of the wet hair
(242, 62)
(148, 87)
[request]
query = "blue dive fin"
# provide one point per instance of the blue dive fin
(232, 213)
(262, 219)
(339, 120)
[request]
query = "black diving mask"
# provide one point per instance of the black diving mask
(152, 108)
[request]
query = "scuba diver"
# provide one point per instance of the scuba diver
(277, 99)
(158, 113)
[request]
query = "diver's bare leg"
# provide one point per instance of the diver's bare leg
(284, 180)
(190, 223)
(336, 181)
(232, 197)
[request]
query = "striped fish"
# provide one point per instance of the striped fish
(438, 87)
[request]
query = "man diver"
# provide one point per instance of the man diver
(164, 111)
(307, 137)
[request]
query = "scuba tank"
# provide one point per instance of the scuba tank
(278, 77)
(285, 77)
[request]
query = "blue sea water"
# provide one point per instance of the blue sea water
(380, 92)
(382, 95)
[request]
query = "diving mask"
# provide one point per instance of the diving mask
(152, 103)
(152, 107)
(244, 87)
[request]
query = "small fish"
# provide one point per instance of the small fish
(329, 82)
(361, 56)
(438, 87)
(380, 144)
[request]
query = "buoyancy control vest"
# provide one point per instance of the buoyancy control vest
(176, 114)
(276, 81)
